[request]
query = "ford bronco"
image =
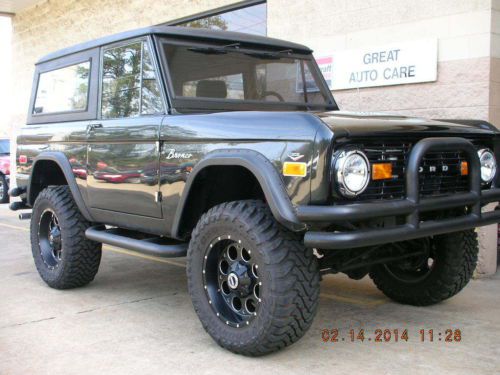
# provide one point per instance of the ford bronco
(229, 149)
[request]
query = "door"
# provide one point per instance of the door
(123, 145)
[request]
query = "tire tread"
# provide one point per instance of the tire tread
(82, 257)
(460, 252)
(295, 291)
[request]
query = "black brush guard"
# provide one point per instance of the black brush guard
(411, 206)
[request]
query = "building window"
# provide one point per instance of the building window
(246, 17)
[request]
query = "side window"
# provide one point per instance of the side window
(129, 84)
(151, 102)
(63, 90)
(121, 81)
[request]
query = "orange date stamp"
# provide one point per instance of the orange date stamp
(378, 335)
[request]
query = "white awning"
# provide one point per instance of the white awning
(13, 6)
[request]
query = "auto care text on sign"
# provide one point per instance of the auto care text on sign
(372, 73)
(394, 64)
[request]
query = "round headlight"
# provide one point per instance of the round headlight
(352, 172)
(488, 165)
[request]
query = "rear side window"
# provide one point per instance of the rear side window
(63, 90)
(129, 84)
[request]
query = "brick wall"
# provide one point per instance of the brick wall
(495, 64)
(5, 30)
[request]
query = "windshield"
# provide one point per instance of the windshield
(233, 78)
(4, 146)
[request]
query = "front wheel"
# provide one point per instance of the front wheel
(63, 256)
(254, 286)
(441, 272)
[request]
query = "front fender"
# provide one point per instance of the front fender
(265, 173)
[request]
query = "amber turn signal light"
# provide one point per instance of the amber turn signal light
(464, 168)
(381, 171)
(294, 169)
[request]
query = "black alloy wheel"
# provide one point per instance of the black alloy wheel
(63, 256)
(49, 239)
(253, 284)
(444, 269)
(416, 269)
(232, 284)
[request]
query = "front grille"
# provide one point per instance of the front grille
(439, 175)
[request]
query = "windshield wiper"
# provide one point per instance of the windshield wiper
(269, 55)
(208, 50)
(214, 50)
(263, 55)
(287, 51)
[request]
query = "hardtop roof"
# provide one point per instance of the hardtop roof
(179, 32)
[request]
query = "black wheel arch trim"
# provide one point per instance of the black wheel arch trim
(266, 174)
(61, 160)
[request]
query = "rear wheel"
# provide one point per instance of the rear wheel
(4, 187)
(63, 256)
(445, 268)
(254, 286)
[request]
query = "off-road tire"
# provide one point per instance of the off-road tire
(456, 258)
(290, 277)
(80, 257)
(4, 195)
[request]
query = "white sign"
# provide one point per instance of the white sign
(325, 65)
(395, 64)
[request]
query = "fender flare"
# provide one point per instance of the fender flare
(266, 175)
(62, 161)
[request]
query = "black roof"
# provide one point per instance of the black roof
(180, 32)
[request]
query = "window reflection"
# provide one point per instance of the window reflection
(124, 68)
(121, 81)
(151, 97)
(63, 90)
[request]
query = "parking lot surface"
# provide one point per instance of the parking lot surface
(136, 318)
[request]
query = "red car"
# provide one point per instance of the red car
(4, 170)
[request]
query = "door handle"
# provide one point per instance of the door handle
(93, 127)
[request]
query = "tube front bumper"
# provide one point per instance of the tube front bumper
(410, 207)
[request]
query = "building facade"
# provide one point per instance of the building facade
(462, 77)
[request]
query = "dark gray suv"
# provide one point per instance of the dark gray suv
(230, 149)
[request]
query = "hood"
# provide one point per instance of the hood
(363, 124)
